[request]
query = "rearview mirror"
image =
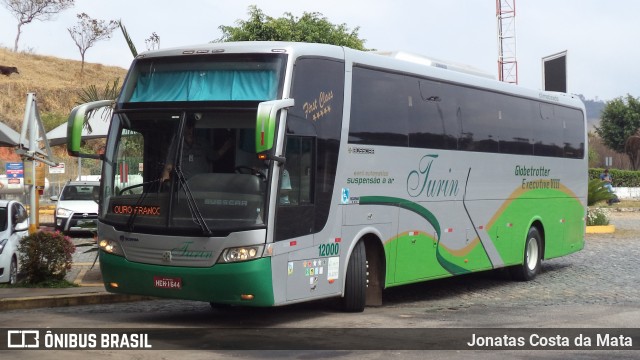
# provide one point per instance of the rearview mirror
(22, 226)
(75, 123)
(266, 122)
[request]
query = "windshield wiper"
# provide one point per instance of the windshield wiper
(196, 215)
(134, 214)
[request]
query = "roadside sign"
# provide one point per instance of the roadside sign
(59, 169)
(36, 179)
(15, 183)
(14, 170)
(608, 161)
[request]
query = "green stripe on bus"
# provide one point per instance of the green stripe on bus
(424, 213)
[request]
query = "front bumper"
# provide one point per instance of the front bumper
(221, 283)
(76, 223)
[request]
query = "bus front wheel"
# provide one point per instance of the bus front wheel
(354, 298)
(532, 257)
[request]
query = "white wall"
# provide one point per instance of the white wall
(630, 193)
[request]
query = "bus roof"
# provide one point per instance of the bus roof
(429, 61)
(398, 61)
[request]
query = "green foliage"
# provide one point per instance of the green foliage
(91, 166)
(51, 120)
(133, 144)
(594, 157)
(597, 217)
(620, 119)
(311, 27)
(597, 192)
(45, 255)
(91, 93)
(625, 178)
(127, 38)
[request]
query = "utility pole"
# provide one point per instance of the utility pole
(507, 63)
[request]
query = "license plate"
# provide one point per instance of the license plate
(167, 282)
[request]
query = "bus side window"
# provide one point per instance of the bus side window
(295, 182)
(296, 210)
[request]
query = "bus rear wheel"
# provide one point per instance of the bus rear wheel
(532, 257)
(354, 298)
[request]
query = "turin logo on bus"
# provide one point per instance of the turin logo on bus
(421, 183)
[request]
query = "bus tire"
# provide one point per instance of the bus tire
(354, 298)
(532, 257)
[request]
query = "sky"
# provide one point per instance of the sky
(600, 36)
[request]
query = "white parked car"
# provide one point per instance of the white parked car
(14, 225)
(77, 206)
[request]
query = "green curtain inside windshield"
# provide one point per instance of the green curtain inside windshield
(210, 85)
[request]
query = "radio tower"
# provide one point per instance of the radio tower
(507, 64)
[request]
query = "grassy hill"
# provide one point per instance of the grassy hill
(56, 83)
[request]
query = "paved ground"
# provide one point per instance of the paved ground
(594, 288)
(85, 269)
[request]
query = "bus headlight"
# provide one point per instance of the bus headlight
(111, 247)
(242, 253)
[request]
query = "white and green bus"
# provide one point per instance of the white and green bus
(306, 171)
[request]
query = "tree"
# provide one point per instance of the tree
(91, 94)
(593, 156)
(619, 121)
(88, 31)
(311, 27)
(25, 11)
(153, 42)
(597, 192)
(127, 38)
(111, 90)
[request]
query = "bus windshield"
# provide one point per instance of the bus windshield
(181, 154)
(185, 171)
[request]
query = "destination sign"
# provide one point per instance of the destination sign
(149, 210)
